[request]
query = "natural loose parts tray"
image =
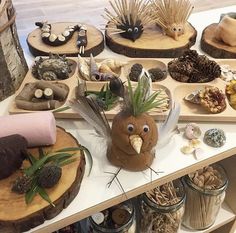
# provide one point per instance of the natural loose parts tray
(176, 91)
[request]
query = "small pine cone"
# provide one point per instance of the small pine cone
(22, 184)
(189, 55)
(209, 68)
(49, 176)
(195, 77)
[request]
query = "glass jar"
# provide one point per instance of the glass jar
(203, 203)
(117, 219)
(162, 211)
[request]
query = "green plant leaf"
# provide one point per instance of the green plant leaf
(45, 196)
(41, 152)
(69, 149)
(66, 162)
(29, 196)
(31, 158)
(59, 156)
(38, 164)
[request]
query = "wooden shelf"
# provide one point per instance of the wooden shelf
(94, 194)
(225, 216)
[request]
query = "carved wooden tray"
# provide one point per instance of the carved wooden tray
(176, 91)
(16, 216)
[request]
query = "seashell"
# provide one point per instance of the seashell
(106, 69)
(93, 68)
(136, 142)
(215, 137)
(66, 33)
(114, 64)
(192, 131)
(107, 77)
(193, 97)
(97, 76)
(84, 68)
(199, 153)
(45, 34)
(187, 149)
(52, 37)
(61, 38)
(225, 31)
(195, 143)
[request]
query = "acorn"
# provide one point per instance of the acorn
(49, 176)
(22, 184)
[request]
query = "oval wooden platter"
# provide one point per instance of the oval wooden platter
(152, 43)
(16, 216)
(38, 48)
(214, 47)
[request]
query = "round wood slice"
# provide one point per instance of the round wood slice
(16, 216)
(152, 43)
(213, 47)
(38, 48)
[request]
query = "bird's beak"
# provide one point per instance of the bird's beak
(136, 142)
(176, 37)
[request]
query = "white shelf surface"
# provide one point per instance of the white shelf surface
(94, 194)
(225, 216)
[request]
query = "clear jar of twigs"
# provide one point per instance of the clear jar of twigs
(205, 191)
(117, 219)
(162, 208)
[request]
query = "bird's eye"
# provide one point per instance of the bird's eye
(135, 29)
(180, 29)
(129, 30)
(130, 128)
(174, 29)
(145, 128)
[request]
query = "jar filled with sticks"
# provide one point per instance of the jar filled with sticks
(162, 208)
(205, 190)
(116, 219)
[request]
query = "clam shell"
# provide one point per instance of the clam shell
(192, 131)
(52, 37)
(193, 97)
(187, 149)
(195, 143)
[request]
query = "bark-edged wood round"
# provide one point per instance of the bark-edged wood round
(38, 48)
(152, 43)
(213, 47)
(16, 216)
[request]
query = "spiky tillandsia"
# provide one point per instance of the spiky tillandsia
(45, 172)
(171, 15)
(129, 18)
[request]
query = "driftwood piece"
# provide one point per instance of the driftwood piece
(16, 216)
(152, 43)
(13, 66)
(213, 47)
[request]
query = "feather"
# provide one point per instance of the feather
(91, 112)
(169, 126)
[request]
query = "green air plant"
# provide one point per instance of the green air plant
(105, 98)
(44, 172)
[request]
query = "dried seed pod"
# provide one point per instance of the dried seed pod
(22, 184)
(49, 176)
(212, 99)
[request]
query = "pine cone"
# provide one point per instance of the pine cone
(22, 184)
(209, 68)
(190, 56)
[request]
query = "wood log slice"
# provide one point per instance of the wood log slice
(12, 62)
(38, 48)
(16, 216)
(213, 47)
(152, 43)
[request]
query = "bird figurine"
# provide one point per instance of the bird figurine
(129, 19)
(171, 15)
(133, 136)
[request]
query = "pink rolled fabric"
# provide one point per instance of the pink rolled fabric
(39, 129)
